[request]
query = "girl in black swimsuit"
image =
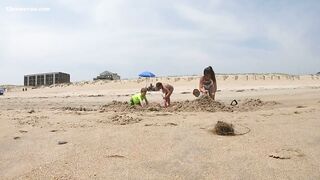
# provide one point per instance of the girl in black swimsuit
(208, 84)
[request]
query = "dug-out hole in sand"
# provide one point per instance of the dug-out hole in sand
(223, 129)
(228, 129)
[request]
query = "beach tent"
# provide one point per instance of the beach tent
(147, 75)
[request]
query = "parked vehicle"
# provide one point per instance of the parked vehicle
(2, 90)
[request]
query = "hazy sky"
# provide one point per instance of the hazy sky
(167, 37)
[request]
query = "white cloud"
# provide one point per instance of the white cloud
(225, 26)
(179, 37)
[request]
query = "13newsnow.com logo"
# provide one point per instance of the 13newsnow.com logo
(27, 9)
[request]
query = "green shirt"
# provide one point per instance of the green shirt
(137, 98)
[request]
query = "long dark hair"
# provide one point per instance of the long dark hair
(208, 70)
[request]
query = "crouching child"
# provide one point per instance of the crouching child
(138, 98)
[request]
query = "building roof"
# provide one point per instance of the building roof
(45, 73)
(107, 73)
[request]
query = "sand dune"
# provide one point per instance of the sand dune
(86, 130)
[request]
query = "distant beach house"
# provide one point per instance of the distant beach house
(107, 75)
(46, 79)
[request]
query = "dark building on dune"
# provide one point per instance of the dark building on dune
(46, 79)
(107, 75)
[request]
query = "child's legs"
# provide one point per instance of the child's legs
(168, 101)
(165, 103)
(211, 92)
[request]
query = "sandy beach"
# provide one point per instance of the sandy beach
(86, 130)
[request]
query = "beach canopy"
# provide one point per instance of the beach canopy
(147, 74)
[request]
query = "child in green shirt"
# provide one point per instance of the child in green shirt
(138, 98)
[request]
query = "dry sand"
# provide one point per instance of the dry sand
(87, 131)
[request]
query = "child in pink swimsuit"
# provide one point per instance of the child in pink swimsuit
(167, 90)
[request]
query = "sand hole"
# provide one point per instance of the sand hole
(224, 129)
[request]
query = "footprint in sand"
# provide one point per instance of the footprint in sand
(62, 142)
(267, 115)
(301, 106)
(31, 111)
(286, 153)
(170, 124)
(151, 124)
(115, 156)
(163, 114)
(166, 124)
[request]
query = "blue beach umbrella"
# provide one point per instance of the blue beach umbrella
(147, 75)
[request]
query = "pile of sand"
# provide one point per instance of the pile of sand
(118, 106)
(124, 120)
(77, 109)
(203, 104)
(253, 104)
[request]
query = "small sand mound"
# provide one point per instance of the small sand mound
(224, 129)
(286, 153)
(204, 103)
(124, 120)
(117, 106)
(77, 109)
(253, 102)
(257, 102)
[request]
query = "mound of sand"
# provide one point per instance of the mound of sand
(118, 106)
(257, 102)
(202, 104)
(253, 104)
(124, 120)
(77, 109)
